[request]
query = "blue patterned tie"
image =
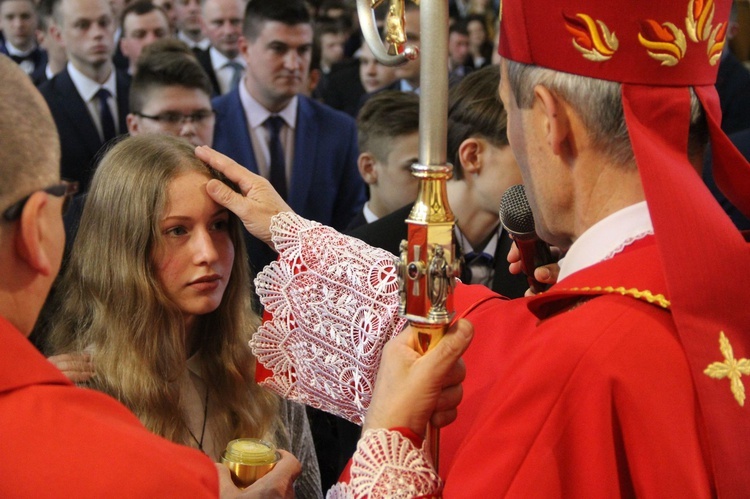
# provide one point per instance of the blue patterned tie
(236, 75)
(278, 165)
(105, 114)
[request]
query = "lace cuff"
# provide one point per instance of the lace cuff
(388, 464)
(334, 302)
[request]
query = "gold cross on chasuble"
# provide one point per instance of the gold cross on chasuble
(731, 368)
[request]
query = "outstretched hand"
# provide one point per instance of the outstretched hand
(257, 201)
(545, 274)
(412, 389)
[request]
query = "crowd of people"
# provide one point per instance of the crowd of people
(156, 153)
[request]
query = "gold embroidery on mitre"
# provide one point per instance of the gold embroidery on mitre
(731, 368)
(699, 25)
(700, 15)
(647, 296)
(716, 43)
(664, 42)
(591, 38)
(500, 12)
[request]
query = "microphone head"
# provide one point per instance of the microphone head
(515, 212)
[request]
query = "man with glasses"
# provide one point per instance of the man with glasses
(171, 94)
(76, 429)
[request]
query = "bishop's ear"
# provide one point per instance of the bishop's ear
(554, 118)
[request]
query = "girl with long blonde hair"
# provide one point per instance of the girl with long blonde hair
(157, 291)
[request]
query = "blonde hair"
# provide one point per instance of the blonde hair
(111, 302)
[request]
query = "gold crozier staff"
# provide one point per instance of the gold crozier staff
(428, 260)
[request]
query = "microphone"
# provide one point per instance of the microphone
(517, 219)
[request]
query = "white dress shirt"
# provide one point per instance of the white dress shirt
(224, 73)
(256, 115)
(87, 89)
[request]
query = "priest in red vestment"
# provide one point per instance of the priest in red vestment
(627, 377)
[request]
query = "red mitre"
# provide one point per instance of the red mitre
(657, 49)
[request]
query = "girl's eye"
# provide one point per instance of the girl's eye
(221, 225)
(176, 231)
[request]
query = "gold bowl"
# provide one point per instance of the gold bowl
(249, 459)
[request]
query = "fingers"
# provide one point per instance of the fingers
(279, 482)
(231, 169)
(409, 386)
(547, 273)
(454, 343)
(514, 259)
(440, 419)
(289, 465)
(225, 196)
(227, 488)
(78, 368)
(446, 409)
(258, 202)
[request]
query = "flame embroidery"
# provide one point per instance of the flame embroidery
(596, 44)
(700, 14)
(716, 43)
(665, 42)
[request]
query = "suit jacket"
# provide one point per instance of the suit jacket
(325, 184)
(358, 221)
(342, 88)
(741, 140)
(38, 57)
(388, 232)
(79, 138)
(204, 58)
(733, 87)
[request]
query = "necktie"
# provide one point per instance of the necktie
(237, 75)
(28, 62)
(278, 166)
(105, 115)
(478, 268)
(18, 59)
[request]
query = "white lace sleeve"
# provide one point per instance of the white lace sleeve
(334, 302)
(387, 464)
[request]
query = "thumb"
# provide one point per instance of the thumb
(225, 196)
(450, 348)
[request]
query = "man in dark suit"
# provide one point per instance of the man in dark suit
(222, 21)
(89, 99)
(18, 24)
(312, 155)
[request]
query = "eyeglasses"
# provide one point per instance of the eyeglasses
(171, 118)
(64, 189)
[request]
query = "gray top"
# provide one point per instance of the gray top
(297, 429)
